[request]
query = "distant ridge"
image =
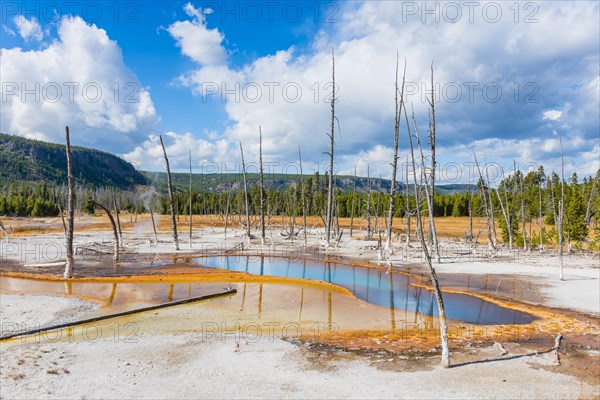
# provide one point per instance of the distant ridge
(32, 161)
(224, 182)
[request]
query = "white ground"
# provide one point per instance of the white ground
(27, 312)
(185, 366)
(579, 291)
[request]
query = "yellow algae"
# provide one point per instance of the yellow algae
(308, 309)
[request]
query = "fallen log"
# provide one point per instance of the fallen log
(120, 314)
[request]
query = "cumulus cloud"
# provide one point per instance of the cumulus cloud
(29, 29)
(149, 154)
(196, 41)
(496, 82)
(79, 80)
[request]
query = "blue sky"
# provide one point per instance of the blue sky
(510, 78)
(149, 51)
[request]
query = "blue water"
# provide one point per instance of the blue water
(374, 286)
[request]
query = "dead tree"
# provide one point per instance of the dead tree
(506, 213)
(331, 144)
(368, 208)
(353, 201)
(153, 224)
(522, 193)
(381, 254)
(171, 200)
(114, 228)
(117, 213)
(262, 190)
(430, 199)
(491, 205)
(428, 194)
(540, 220)
(491, 245)
(135, 208)
(470, 211)
(4, 230)
(227, 214)
(407, 211)
(70, 208)
(245, 194)
(377, 225)
(303, 197)
(397, 111)
(62, 217)
(561, 211)
(588, 210)
(293, 206)
(433, 276)
(190, 198)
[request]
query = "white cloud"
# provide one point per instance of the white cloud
(29, 29)
(149, 154)
(552, 115)
(79, 80)
(196, 41)
(366, 39)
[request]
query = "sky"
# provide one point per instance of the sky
(511, 80)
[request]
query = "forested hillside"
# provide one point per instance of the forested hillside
(31, 161)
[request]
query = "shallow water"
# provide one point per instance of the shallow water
(375, 286)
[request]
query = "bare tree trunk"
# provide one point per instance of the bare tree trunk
(470, 207)
(353, 202)
(6, 232)
(368, 210)
(523, 219)
(491, 245)
(246, 194)
(262, 191)
(408, 211)
(153, 224)
(62, 218)
(428, 194)
(540, 221)
(549, 184)
(331, 137)
(303, 198)
(491, 205)
(227, 213)
(117, 213)
(397, 111)
(561, 211)
(436, 287)
(114, 227)
(293, 205)
(432, 229)
(588, 213)
(522, 192)
(190, 199)
(530, 234)
(135, 208)
(507, 218)
(70, 208)
(171, 200)
(377, 225)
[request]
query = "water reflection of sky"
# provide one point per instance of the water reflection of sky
(375, 286)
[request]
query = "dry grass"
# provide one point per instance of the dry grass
(447, 227)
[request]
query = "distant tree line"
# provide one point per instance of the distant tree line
(525, 197)
(29, 201)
